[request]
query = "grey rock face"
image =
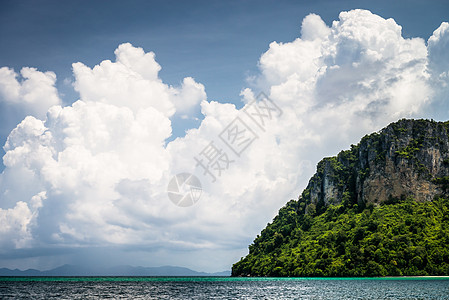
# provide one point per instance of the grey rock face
(409, 158)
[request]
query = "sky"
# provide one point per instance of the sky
(104, 103)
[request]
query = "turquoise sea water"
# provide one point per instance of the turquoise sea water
(215, 279)
(223, 288)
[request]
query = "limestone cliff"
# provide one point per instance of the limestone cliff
(407, 158)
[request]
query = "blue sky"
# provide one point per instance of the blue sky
(216, 42)
(92, 175)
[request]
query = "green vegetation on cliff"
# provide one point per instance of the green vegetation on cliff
(402, 237)
(378, 209)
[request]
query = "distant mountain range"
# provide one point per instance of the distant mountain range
(70, 270)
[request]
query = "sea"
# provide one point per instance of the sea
(223, 288)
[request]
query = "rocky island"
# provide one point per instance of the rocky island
(378, 209)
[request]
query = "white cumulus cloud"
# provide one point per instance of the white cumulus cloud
(132, 81)
(29, 93)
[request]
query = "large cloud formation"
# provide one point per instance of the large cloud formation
(32, 94)
(94, 174)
